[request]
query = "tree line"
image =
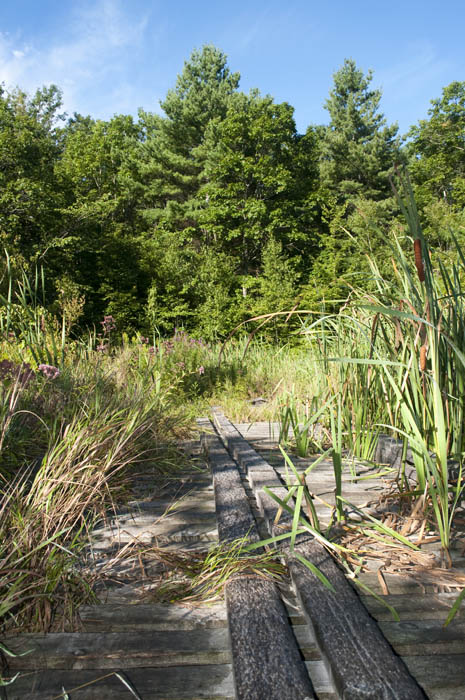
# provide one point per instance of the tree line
(218, 210)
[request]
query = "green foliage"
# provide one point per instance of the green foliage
(357, 152)
(257, 173)
(437, 150)
(358, 230)
(218, 209)
(30, 146)
(169, 167)
(102, 250)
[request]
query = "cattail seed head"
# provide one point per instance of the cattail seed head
(419, 259)
(423, 354)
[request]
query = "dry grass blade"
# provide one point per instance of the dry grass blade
(198, 576)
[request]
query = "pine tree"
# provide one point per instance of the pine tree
(167, 174)
(257, 175)
(357, 148)
(357, 151)
(169, 164)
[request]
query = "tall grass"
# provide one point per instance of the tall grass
(103, 427)
(71, 429)
(399, 366)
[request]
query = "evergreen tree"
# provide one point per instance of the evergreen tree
(166, 172)
(358, 148)
(357, 151)
(169, 165)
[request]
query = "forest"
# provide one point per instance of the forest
(218, 210)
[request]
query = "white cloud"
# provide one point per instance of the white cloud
(86, 59)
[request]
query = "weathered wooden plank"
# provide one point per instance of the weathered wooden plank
(176, 518)
(444, 671)
(111, 650)
(419, 637)
(396, 584)
(147, 531)
(446, 693)
(259, 479)
(306, 641)
(321, 679)
(175, 683)
(414, 607)
(198, 502)
(151, 617)
(266, 658)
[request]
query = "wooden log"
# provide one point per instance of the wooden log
(266, 659)
(362, 663)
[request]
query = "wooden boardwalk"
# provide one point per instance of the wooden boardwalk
(434, 655)
(160, 650)
(265, 642)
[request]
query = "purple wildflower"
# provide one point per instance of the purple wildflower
(201, 369)
(108, 324)
(49, 371)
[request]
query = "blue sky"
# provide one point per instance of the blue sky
(113, 56)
